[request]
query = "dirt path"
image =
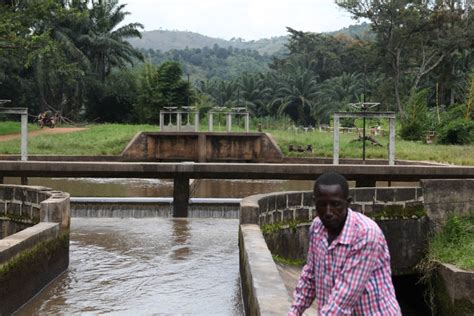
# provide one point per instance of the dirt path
(44, 131)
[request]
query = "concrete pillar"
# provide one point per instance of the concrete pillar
(196, 121)
(247, 122)
(180, 196)
(229, 122)
(210, 121)
(162, 121)
(202, 148)
(391, 142)
(335, 155)
(178, 121)
(24, 137)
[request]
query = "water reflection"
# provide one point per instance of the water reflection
(146, 266)
(181, 236)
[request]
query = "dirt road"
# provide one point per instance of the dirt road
(44, 131)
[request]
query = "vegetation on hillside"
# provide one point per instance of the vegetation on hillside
(74, 56)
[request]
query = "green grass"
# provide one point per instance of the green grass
(111, 139)
(103, 139)
(12, 127)
(323, 147)
(455, 243)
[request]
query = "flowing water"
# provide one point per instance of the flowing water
(147, 266)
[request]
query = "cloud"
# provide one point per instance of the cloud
(238, 18)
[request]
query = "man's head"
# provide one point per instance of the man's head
(331, 197)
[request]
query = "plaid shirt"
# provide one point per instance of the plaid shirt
(352, 276)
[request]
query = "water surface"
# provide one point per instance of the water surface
(147, 266)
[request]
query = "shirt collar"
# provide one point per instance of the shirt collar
(345, 235)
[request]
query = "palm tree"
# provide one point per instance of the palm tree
(105, 43)
(253, 91)
(297, 96)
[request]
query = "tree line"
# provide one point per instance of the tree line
(73, 55)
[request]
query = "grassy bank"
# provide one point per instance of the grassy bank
(455, 243)
(103, 139)
(11, 127)
(322, 143)
(111, 139)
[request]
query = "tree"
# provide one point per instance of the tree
(105, 43)
(413, 37)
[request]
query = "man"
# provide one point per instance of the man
(348, 263)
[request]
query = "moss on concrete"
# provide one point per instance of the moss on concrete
(275, 227)
(289, 262)
(22, 261)
(399, 212)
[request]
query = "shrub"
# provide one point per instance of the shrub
(415, 123)
(459, 131)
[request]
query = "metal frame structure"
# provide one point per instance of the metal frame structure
(387, 115)
(24, 126)
(229, 113)
(179, 127)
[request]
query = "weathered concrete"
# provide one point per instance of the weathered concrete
(445, 197)
(262, 288)
(32, 257)
(164, 170)
(454, 291)
(202, 147)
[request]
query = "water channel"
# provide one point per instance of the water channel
(150, 265)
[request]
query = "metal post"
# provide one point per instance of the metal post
(162, 121)
(335, 156)
(178, 121)
(180, 196)
(229, 122)
(210, 121)
(391, 142)
(196, 121)
(363, 140)
(247, 123)
(24, 137)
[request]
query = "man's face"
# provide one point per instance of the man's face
(331, 206)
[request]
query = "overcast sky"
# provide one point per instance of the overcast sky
(248, 19)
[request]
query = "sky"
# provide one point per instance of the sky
(247, 19)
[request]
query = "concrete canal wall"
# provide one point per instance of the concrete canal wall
(285, 217)
(34, 249)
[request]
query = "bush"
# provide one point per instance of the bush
(459, 131)
(415, 124)
(413, 130)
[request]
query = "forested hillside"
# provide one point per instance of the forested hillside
(167, 40)
(75, 57)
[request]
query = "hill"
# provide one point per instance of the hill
(164, 40)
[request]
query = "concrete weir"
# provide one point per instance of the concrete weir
(34, 248)
(407, 216)
(140, 207)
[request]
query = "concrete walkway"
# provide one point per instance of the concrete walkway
(290, 275)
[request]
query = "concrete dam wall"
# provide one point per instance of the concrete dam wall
(34, 248)
(202, 147)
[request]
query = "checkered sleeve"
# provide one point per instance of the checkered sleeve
(305, 292)
(353, 279)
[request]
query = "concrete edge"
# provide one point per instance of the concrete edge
(275, 145)
(264, 290)
(459, 282)
(130, 144)
(12, 245)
